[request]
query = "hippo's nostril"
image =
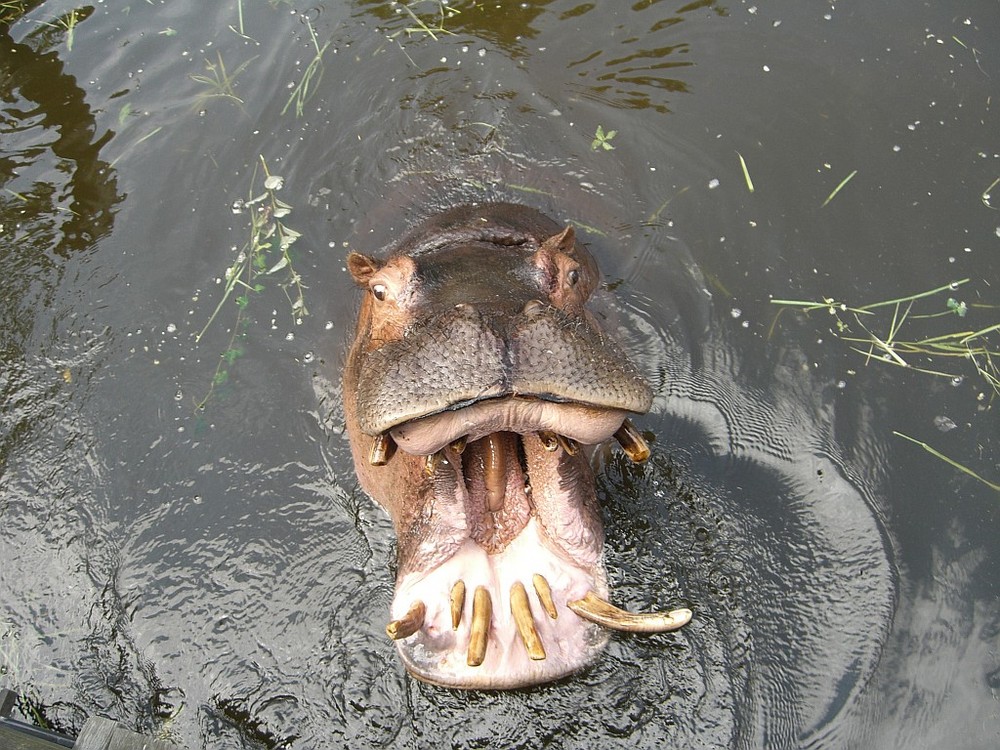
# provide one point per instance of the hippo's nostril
(533, 307)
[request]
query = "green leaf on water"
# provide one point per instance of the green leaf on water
(957, 307)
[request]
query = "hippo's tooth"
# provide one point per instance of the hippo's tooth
(482, 616)
(632, 442)
(569, 445)
(383, 446)
(409, 623)
(494, 472)
(431, 463)
(533, 307)
(595, 609)
(457, 604)
(549, 440)
(458, 445)
(545, 595)
(521, 609)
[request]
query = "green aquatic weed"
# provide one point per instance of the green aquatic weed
(264, 255)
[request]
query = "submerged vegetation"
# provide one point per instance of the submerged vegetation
(265, 255)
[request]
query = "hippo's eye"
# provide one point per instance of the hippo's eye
(573, 276)
(379, 291)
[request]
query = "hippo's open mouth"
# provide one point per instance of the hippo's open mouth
(474, 388)
(506, 580)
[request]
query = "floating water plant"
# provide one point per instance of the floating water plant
(218, 82)
(422, 27)
(602, 139)
(950, 461)
(882, 340)
(310, 78)
(263, 257)
(839, 187)
(746, 172)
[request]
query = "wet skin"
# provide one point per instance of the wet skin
(475, 383)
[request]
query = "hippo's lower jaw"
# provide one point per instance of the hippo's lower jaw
(496, 621)
(504, 579)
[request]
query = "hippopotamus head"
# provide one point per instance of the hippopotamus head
(475, 383)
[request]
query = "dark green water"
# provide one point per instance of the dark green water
(215, 577)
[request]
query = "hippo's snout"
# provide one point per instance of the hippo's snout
(464, 355)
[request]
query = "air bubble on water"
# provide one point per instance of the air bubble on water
(713, 183)
(289, 336)
(238, 206)
(841, 384)
(179, 396)
(944, 424)
(953, 285)
(746, 323)
(736, 312)
(308, 357)
(171, 328)
(197, 499)
(329, 325)
(957, 380)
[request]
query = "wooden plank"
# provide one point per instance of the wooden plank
(12, 739)
(104, 734)
(95, 735)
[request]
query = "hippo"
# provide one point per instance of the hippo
(475, 387)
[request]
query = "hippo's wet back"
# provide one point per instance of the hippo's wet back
(476, 381)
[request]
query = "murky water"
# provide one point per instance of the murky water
(215, 577)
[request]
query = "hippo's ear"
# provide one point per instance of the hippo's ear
(562, 242)
(362, 268)
(570, 270)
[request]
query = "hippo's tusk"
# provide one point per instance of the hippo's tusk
(383, 446)
(431, 463)
(457, 603)
(545, 595)
(409, 623)
(458, 444)
(521, 609)
(595, 609)
(549, 440)
(482, 615)
(632, 442)
(569, 445)
(494, 472)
